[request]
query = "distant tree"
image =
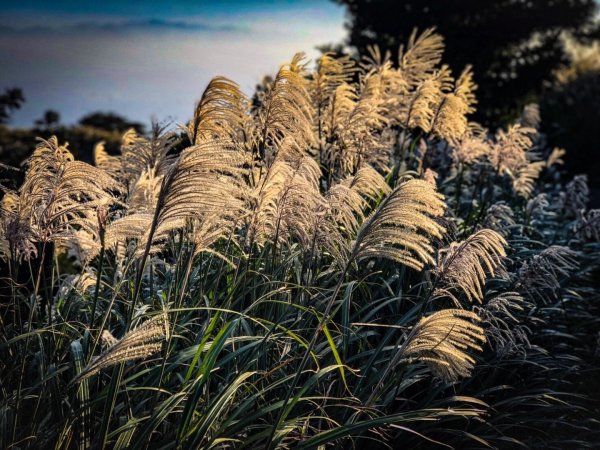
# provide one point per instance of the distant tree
(10, 101)
(570, 110)
(49, 120)
(514, 45)
(110, 122)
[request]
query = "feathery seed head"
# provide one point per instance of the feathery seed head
(402, 227)
(464, 266)
(441, 341)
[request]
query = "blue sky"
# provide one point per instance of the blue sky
(148, 58)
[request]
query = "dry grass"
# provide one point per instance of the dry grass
(326, 266)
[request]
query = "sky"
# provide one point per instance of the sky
(144, 59)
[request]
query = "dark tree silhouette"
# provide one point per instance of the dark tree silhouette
(110, 122)
(570, 116)
(513, 45)
(49, 120)
(11, 100)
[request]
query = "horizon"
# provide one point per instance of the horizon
(147, 60)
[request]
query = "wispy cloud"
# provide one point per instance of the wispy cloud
(120, 26)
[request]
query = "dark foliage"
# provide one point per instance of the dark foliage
(110, 122)
(11, 100)
(50, 119)
(571, 112)
(512, 44)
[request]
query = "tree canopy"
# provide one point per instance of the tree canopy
(11, 100)
(50, 119)
(514, 45)
(110, 122)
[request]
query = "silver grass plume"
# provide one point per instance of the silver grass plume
(380, 78)
(465, 87)
(499, 217)
(140, 154)
(61, 195)
(284, 202)
(509, 153)
(263, 200)
(541, 277)
(504, 331)
(17, 239)
(472, 146)
(301, 203)
(442, 340)
(330, 73)
(351, 127)
(364, 131)
(430, 176)
(450, 121)
(342, 102)
(464, 266)
(88, 237)
(376, 62)
(420, 109)
(416, 86)
(403, 225)
(420, 57)
(512, 155)
(555, 157)
(349, 198)
(524, 181)
(204, 184)
(576, 196)
(143, 192)
(139, 343)
(128, 227)
(343, 211)
(285, 111)
(109, 163)
(144, 164)
(220, 113)
(587, 225)
(82, 247)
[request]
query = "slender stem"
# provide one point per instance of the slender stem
(29, 328)
(400, 156)
(324, 320)
(97, 290)
(457, 194)
(118, 371)
(400, 352)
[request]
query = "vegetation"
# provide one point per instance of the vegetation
(346, 261)
(109, 122)
(513, 45)
(11, 100)
(17, 144)
(570, 111)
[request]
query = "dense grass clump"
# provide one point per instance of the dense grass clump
(346, 262)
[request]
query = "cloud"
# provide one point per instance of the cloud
(123, 26)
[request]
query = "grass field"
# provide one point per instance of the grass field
(347, 261)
